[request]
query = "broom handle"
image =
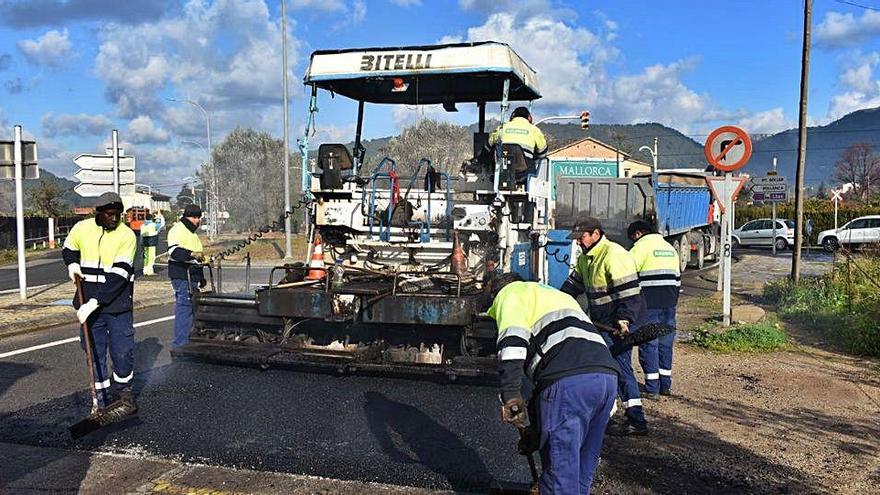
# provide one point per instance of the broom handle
(87, 334)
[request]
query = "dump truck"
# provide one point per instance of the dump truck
(406, 258)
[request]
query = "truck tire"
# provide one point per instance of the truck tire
(700, 262)
(684, 252)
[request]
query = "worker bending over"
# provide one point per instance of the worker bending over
(544, 335)
(606, 272)
(660, 278)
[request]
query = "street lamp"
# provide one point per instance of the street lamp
(212, 230)
(652, 152)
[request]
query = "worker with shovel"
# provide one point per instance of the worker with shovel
(544, 335)
(99, 254)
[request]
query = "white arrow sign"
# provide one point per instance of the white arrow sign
(92, 176)
(90, 190)
(770, 188)
(103, 162)
(770, 179)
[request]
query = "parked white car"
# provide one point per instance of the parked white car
(862, 230)
(760, 233)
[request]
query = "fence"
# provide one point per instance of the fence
(36, 230)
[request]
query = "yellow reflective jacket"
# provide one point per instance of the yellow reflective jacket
(106, 258)
(182, 242)
(521, 132)
(659, 270)
(607, 274)
(543, 333)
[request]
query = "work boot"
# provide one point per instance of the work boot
(665, 391)
(125, 395)
(649, 395)
(627, 428)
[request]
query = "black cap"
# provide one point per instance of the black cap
(108, 200)
(521, 112)
(192, 211)
(639, 226)
(584, 224)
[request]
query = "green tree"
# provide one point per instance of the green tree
(447, 145)
(45, 200)
(250, 171)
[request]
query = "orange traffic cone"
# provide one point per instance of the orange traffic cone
(316, 265)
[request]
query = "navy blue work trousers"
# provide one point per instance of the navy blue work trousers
(572, 416)
(113, 333)
(183, 311)
(655, 357)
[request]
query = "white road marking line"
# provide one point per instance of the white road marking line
(75, 339)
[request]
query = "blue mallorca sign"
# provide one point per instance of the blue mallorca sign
(580, 168)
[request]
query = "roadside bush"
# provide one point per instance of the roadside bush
(764, 336)
(844, 305)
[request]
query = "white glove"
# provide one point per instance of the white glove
(73, 270)
(86, 310)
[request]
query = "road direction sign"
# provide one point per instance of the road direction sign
(728, 148)
(766, 188)
(770, 179)
(103, 162)
(90, 190)
(97, 176)
(104, 176)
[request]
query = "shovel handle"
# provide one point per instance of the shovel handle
(87, 335)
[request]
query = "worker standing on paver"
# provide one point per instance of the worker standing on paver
(660, 278)
(544, 335)
(101, 251)
(150, 239)
(185, 260)
(606, 272)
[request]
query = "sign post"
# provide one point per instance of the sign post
(727, 148)
(836, 198)
(20, 158)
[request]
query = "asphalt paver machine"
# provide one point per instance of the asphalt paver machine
(407, 249)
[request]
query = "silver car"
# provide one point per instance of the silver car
(760, 233)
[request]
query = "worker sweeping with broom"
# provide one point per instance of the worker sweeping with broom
(99, 254)
(544, 335)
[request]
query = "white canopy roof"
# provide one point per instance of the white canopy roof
(470, 72)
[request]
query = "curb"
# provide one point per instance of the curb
(59, 320)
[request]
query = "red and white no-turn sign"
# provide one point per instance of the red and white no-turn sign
(728, 148)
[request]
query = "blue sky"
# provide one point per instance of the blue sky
(71, 70)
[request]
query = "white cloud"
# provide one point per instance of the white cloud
(82, 124)
(406, 3)
(766, 122)
(322, 5)
(575, 77)
(225, 55)
(839, 30)
(358, 11)
(143, 130)
(50, 50)
(861, 89)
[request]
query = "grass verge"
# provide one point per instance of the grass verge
(843, 305)
(764, 336)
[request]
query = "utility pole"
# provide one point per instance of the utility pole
(288, 249)
(802, 148)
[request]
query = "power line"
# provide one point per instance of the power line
(866, 7)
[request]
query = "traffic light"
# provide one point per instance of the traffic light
(585, 120)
